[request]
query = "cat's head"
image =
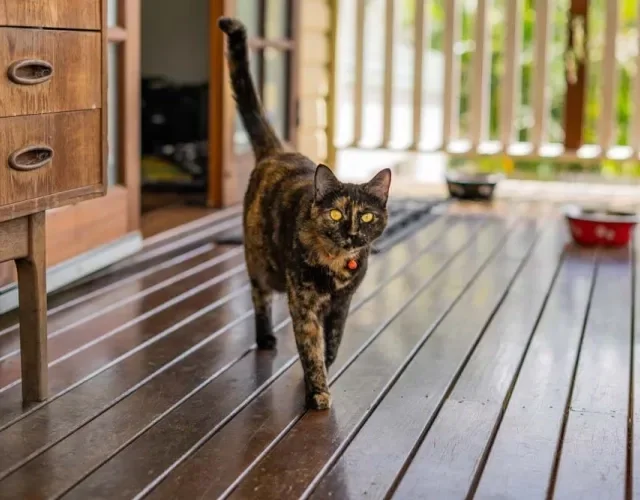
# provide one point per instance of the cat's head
(351, 216)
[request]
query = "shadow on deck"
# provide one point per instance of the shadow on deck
(483, 358)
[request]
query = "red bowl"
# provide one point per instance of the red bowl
(605, 227)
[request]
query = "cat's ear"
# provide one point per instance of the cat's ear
(325, 181)
(379, 185)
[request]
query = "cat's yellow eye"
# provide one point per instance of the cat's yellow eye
(368, 217)
(335, 215)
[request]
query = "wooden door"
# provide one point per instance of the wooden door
(76, 229)
(272, 26)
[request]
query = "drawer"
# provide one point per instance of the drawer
(46, 71)
(72, 14)
(49, 155)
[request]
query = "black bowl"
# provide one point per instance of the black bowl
(472, 186)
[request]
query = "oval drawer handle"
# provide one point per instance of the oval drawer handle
(30, 72)
(30, 158)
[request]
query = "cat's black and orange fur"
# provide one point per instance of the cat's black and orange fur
(293, 244)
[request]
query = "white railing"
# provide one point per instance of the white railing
(417, 90)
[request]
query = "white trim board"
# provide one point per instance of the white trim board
(83, 265)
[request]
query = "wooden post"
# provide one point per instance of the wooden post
(576, 87)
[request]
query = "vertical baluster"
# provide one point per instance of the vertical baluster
(387, 98)
(540, 94)
(451, 72)
(358, 82)
(480, 79)
(609, 77)
(420, 34)
(510, 84)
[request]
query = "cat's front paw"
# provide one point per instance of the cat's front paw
(319, 401)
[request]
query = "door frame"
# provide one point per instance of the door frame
(229, 171)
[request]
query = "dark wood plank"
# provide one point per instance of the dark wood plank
(193, 227)
(198, 236)
(108, 279)
(521, 458)
(71, 370)
(445, 463)
(140, 409)
(213, 407)
(157, 252)
(154, 378)
(33, 311)
(209, 472)
(160, 253)
(77, 293)
(76, 312)
(73, 339)
(593, 453)
(461, 302)
(379, 451)
(70, 297)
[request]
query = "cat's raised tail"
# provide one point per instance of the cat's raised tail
(263, 138)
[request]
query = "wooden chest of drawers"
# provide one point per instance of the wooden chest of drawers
(53, 142)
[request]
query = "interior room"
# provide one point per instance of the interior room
(175, 79)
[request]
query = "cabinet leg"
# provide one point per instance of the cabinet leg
(33, 312)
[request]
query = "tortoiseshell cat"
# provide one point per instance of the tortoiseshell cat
(306, 233)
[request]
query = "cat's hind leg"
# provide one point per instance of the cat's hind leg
(262, 303)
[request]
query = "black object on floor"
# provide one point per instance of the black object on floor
(405, 216)
(478, 186)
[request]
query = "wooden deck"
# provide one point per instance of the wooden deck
(484, 358)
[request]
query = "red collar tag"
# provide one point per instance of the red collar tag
(352, 264)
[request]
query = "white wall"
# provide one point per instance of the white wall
(175, 40)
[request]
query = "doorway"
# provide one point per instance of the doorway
(195, 152)
(175, 79)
